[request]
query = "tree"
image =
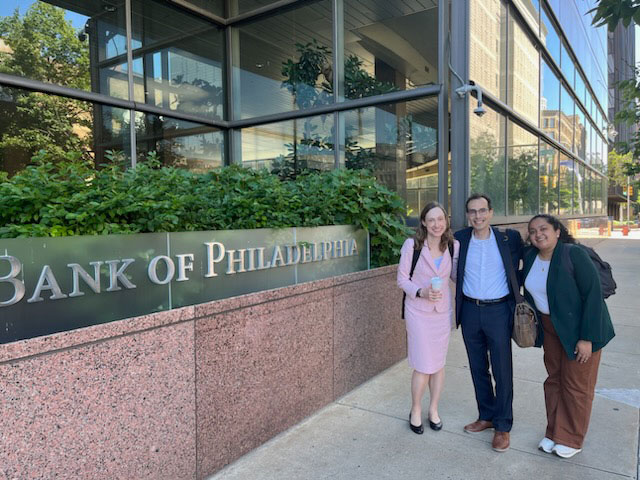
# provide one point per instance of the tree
(43, 46)
(630, 115)
(616, 167)
(612, 12)
(309, 79)
(488, 169)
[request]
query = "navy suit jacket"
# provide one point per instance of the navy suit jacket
(510, 246)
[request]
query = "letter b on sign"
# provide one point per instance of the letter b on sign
(18, 287)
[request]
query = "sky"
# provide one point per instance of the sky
(7, 7)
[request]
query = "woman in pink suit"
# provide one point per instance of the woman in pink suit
(428, 308)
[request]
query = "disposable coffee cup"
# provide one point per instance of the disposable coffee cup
(436, 284)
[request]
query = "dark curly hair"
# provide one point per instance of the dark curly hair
(565, 236)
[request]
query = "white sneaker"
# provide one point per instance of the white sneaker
(564, 451)
(546, 445)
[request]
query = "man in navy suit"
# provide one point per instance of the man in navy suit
(484, 307)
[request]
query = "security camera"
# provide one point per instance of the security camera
(471, 87)
(479, 110)
(82, 34)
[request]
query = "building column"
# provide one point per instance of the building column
(459, 51)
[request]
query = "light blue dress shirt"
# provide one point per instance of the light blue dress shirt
(484, 274)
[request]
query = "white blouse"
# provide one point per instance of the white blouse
(536, 284)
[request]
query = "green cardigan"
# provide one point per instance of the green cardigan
(577, 309)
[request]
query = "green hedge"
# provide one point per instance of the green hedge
(70, 197)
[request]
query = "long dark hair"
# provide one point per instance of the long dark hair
(565, 236)
(421, 231)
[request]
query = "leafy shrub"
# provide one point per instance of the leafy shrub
(63, 197)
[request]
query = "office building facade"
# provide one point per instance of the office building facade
(294, 85)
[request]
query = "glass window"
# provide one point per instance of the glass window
(399, 144)
(580, 88)
(213, 6)
(283, 62)
(566, 184)
(587, 142)
(549, 157)
(567, 66)
(596, 187)
(488, 46)
(523, 73)
(389, 49)
(291, 147)
(580, 133)
(597, 149)
(522, 171)
(567, 118)
(32, 121)
(82, 45)
(487, 157)
(549, 36)
(549, 101)
(590, 191)
(594, 146)
(580, 205)
(179, 143)
(237, 7)
(177, 64)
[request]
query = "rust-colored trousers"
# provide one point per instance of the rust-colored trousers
(568, 390)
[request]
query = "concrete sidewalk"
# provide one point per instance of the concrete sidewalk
(365, 435)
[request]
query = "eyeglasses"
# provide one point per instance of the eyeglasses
(474, 213)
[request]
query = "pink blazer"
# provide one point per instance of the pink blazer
(425, 269)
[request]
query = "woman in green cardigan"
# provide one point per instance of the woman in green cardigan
(575, 325)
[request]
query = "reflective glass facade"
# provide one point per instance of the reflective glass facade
(535, 59)
(316, 85)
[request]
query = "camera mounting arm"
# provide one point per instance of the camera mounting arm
(462, 91)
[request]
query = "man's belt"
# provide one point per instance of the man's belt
(481, 303)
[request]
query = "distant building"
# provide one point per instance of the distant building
(621, 61)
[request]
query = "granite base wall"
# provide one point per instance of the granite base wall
(180, 394)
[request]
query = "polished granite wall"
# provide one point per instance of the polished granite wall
(180, 394)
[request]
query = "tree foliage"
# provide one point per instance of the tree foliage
(67, 196)
(43, 46)
(629, 114)
(309, 79)
(612, 12)
(617, 167)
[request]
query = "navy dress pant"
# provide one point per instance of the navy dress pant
(486, 331)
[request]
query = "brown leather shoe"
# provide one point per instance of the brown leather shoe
(478, 426)
(500, 441)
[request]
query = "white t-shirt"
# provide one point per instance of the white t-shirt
(536, 284)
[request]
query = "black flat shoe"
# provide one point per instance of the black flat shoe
(419, 429)
(435, 426)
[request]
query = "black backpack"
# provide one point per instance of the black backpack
(607, 282)
(414, 261)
